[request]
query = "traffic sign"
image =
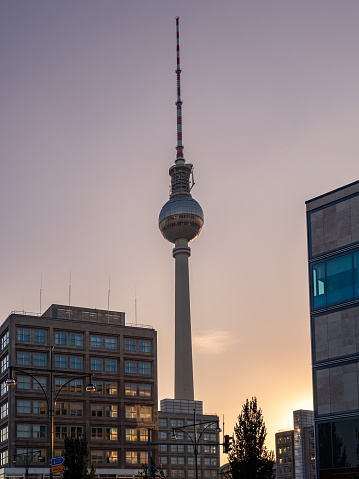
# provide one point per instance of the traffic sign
(56, 461)
(58, 468)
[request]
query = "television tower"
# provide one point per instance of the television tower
(180, 221)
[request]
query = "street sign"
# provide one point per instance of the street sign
(56, 461)
(58, 468)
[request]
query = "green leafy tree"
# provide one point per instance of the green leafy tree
(249, 457)
(76, 458)
(155, 471)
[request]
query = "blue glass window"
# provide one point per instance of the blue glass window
(335, 280)
(130, 367)
(110, 343)
(96, 364)
(61, 361)
(61, 338)
(39, 359)
(111, 365)
(23, 359)
(23, 334)
(96, 342)
(76, 339)
(39, 336)
(130, 345)
(76, 362)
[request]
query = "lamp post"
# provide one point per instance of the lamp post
(195, 438)
(50, 399)
(27, 458)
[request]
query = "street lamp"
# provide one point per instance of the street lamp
(27, 458)
(50, 400)
(196, 436)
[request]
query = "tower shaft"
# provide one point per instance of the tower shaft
(183, 339)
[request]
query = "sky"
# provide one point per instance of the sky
(88, 133)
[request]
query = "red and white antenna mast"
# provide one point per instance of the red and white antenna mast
(179, 147)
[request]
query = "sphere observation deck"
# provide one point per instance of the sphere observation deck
(181, 217)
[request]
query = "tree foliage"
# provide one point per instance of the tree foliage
(76, 458)
(249, 457)
(155, 471)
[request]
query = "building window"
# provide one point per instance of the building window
(96, 433)
(97, 457)
(4, 340)
(335, 280)
(4, 457)
(130, 412)
(143, 457)
(4, 410)
(60, 384)
(110, 365)
(40, 360)
(131, 434)
(111, 433)
(76, 431)
(111, 410)
(23, 430)
(99, 387)
(23, 406)
(39, 382)
(130, 389)
(163, 460)
(76, 339)
(39, 407)
(96, 410)
(145, 368)
(145, 412)
(76, 362)
(131, 457)
(143, 434)
(4, 363)
(111, 389)
(76, 409)
(96, 364)
(145, 390)
(60, 432)
(61, 338)
(4, 433)
(130, 367)
(111, 457)
(61, 409)
(23, 334)
(110, 343)
(130, 345)
(162, 422)
(76, 386)
(38, 432)
(96, 342)
(144, 347)
(39, 336)
(162, 435)
(23, 359)
(60, 361)
(3, 388)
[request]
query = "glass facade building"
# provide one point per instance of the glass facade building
(333, 258)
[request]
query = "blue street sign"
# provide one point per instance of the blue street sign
(56, 461)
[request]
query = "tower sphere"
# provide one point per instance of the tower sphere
(181, 217)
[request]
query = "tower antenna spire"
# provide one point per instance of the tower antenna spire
(179, 147)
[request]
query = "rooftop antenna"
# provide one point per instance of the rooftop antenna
(70, 296)
(108, 299)
(40, 291)
(179, 147)
(135, 307)
(23, 307)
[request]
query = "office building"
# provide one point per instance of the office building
(295, 451)
(176, 418)
(122, 362)
(333, 256)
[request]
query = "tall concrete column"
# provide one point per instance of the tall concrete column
(183, 337)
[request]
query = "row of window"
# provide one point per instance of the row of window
(284, 439)
(285, 450)
(76, 363)
(181, 461)
(191, 473)
(181, 448)
(77, 339)
(76, 386)
(163, 422)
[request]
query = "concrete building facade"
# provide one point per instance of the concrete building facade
(333, 256)
(178, 458)
(295, 450)
(123, 363)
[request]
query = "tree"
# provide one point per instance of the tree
(249, 458)
(76, 458)
(155, 471)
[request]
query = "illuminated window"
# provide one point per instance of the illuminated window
(131, 457)
(111, 410)
(111, 457)
(39, 407)
(111, 389)
(144, 390)
(130, 389)
(130, 412)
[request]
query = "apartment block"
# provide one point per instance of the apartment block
(74, 346)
